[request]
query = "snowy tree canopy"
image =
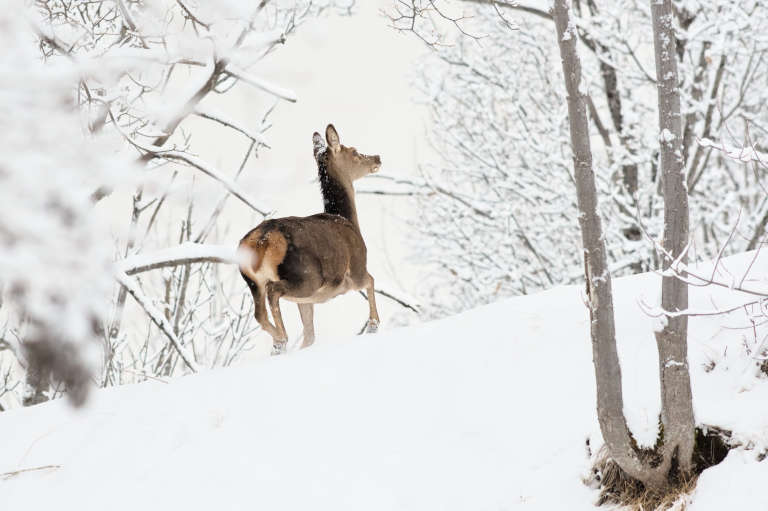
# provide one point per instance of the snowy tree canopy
(498, 213)
(95, 98)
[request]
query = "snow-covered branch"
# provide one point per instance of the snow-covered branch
(85, 70)
(262, 84)
(744, 154)
(186, 253)
(498, 124)
(157, 318)
(214, 173)
(222, 119)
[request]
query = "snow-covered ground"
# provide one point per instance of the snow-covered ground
(488, 410)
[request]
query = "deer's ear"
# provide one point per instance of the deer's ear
(332, 137)
(318, 144)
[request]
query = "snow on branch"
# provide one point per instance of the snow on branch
(744, 154)
(206, 168)
(157, 318)
(157, 152)
(212, 115)
(264, 85)
(658, 312)
(191, 16)
(186, 253)
(80, 68)
(411, 187)
(695, 278)
(541, 13)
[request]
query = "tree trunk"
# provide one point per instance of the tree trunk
(676, 404)
(677, 435)
(37, 383)
(610, 401)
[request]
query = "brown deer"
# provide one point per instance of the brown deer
(312, 259)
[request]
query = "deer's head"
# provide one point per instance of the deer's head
(343, 160)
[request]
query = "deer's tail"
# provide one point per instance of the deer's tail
(250, 254)
(260, 253)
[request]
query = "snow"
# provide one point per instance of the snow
(180, 254)
(489, 409)
(262, 84)
(221, 118)
(736, 483)
(54, 263)
(229, 184)
(746, 153)
(666, 136)
(157, 317)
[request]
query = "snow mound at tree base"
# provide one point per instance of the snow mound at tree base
(487, 410)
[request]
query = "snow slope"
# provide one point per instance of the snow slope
(488, 410)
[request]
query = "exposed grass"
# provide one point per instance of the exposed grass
(617, 487)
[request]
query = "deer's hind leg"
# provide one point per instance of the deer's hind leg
(260, 306)
(307, 312)
(274, 291)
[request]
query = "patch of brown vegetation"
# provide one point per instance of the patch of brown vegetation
(617, 487)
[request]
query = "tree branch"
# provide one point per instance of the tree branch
(264, 85)
(516, 7)
(186, 253)
(157, 318)
(394, 298)
(211, 115)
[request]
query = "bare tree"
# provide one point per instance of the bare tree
(672, 457)
(499, 124)
(486, 81)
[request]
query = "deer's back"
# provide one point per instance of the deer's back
(323, 255)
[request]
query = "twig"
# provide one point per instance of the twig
(394, 299)
(157, 318)
(185, 253)
(8, 475)
(264, 85)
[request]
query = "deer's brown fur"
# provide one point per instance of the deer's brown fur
(312, 259)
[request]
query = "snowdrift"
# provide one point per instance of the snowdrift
(487, 410)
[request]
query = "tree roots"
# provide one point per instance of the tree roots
(617, 487)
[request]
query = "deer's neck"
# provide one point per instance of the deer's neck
(338, 193)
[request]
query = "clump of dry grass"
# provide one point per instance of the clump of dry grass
(617, 487)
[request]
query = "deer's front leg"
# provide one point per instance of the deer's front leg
(274, 292)
(307, 312)
(373, 315)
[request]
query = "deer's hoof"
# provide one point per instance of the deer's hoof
(373, 326)
(279, 347)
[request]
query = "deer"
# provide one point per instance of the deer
(310, 260)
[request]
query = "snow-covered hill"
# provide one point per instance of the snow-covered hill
(488, 410)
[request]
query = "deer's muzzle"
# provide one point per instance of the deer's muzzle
(376, 163)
